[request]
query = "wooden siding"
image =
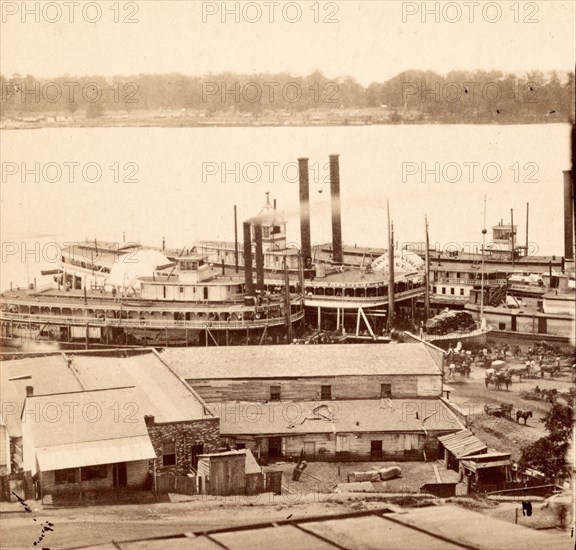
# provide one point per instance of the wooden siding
(227, 475)
(395, 446)
(298, 389)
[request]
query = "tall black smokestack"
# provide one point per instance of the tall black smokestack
(304, 211)
(259, 257)
(335, 200)
(249, 292)
(568, 215)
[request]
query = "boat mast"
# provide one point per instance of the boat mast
(527, 213)
(512, 234)
(236, 237)
(482, 273)
(427, 275)
(287, 308)
(390, 270)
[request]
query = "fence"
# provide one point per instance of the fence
(177, 484)
(254, 484)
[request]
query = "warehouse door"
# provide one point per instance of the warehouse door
(342, 446)
(274, 447)
(309, 450)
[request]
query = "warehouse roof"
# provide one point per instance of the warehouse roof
(289, 361)
(350, 416)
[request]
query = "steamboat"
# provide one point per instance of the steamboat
(133, 296)
(520, 294)
(361, 293)
(112, 295)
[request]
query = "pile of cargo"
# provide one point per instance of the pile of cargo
(450, 321)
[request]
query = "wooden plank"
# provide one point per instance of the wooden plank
(437, 474)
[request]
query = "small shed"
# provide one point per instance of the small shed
(230, 473)
(454, 447)
(486, 469)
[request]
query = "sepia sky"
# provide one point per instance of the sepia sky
(367, 40)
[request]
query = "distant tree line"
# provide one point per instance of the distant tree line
(459, 96)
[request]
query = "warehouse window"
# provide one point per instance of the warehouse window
(325, 392)
(461, 292)
(94, 472)
(169, 453)
(274, 393)
(386, 390)
(65, 476)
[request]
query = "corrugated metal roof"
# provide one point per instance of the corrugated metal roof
(462, 444)
(350, 416)
(94, 453)
(300, 361)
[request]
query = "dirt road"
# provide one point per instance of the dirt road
(503, 434)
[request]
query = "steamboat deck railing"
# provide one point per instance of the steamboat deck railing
(147, 323)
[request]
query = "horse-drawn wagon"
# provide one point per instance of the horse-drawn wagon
(500, 410)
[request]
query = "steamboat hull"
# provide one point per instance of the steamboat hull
(51, 316)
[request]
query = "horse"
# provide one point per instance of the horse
(523, 414)
(497, 379)
(507, 380)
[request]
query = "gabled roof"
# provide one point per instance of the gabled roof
(350, 416)
(289, 361)
(462, 444)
